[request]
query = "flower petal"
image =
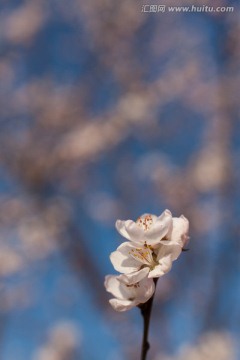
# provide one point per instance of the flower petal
(134, 277)
(113, 286)
(122, 305)
(121, 227)
(174, 250)
(130, 230)
(180, 230)
(122, 261)
(140, 291)
(164, 267)
(159, 229)
(135, 232)
(145, 290)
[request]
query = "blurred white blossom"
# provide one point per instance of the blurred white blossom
(64, 339)
(211, 346)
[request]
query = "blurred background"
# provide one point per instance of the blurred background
(107, 113)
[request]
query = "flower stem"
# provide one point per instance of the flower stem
(146, 309)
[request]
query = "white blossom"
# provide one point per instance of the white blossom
(127, 294)
(178, 232)
(160, 242)
(147, 229)
(139, 262)
(154, 242)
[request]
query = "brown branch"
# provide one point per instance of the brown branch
(146, 310)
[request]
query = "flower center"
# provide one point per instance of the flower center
(145, 222)
(137, 285)
(144, 255)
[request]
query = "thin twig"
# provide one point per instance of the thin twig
(146, 309)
